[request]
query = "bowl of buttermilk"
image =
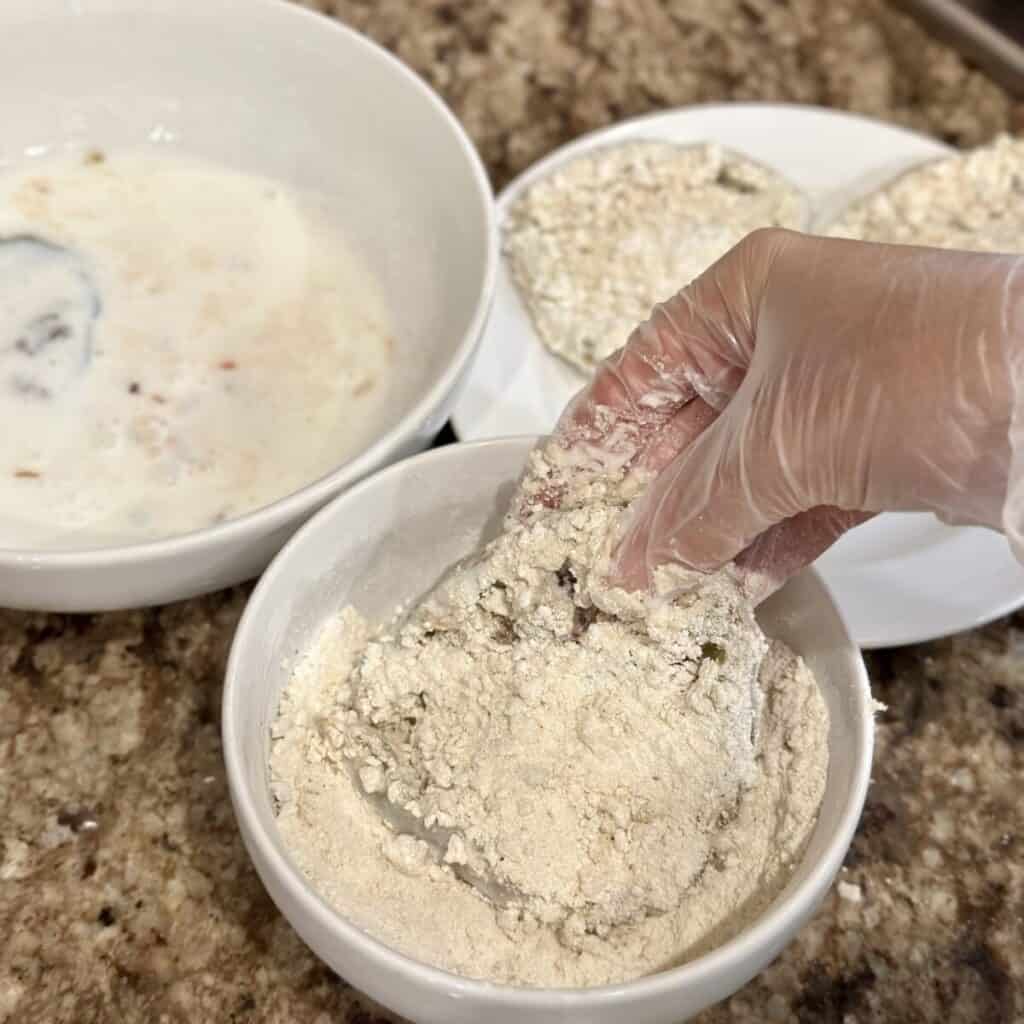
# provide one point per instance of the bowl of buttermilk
(245, 260)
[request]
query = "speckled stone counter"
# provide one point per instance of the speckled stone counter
(125, 894)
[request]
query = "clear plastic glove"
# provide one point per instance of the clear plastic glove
(802, 384)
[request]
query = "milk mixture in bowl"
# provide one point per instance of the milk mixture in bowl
(180, 344)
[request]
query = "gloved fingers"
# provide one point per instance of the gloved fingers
(694, 348)
(695, 344)
(677, 434)
(659, 449)
(786, 548)
(633, 393)
(709, 504)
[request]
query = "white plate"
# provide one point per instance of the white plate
(898, 579)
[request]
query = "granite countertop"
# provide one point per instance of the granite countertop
(125, 893)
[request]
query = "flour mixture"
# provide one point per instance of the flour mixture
(596, 243)
(179, 344)
(971, 201)
(539, 779)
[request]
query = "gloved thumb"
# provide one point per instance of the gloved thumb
(727, 497)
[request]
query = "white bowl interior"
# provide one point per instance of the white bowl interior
(265, 87)
(388, 540)
(269, 88)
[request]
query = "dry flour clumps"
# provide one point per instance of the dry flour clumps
(969, 201)
(588, 784)
(595, 244)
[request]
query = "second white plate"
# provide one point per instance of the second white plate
(898, 579)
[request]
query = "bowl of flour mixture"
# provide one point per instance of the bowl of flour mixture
(482, 784)
(229, 287)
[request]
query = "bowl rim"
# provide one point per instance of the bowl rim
(287, 508)
(714, 964)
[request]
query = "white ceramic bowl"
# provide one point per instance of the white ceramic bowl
(266, 87)
(389, 539)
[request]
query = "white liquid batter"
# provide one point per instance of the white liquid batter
(179, 344)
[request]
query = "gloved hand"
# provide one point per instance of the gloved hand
(802, 384)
